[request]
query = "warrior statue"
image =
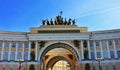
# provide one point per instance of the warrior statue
(47, 22)
(59, 19)
(51, 22)
(69, 21)
(43, 22)
(73, 21)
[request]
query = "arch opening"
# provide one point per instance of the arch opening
(72, 57)
(61, 65)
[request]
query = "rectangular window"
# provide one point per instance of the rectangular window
(92, 55)
(5, 56)
(91, 44)
(11, 68)
(19, 55)
(105, 55)
(112, 54)
(114, 67)
(20, 45)
(25, 55)
(0, 44)
(3, 68)
(97, 43)
(0, 55)
(107, 67)
(118, 53)
(110, 43)
(25, 69)
(26, 44)
(104, 43)
(6, 44)
(116, 42)
(98, 55)
(13, 44)
(12, 56)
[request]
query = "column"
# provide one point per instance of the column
(88, 43)
(82, 49)
(95, 49)
(23, 47)
(9, 50)
(101, 48)
(16, 51)
(36, 50)
(108, 50)
(115, 51)
(3, 45)
(29, 50)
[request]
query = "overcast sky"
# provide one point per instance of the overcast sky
(20, 15)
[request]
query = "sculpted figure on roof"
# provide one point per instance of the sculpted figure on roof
(59, 21)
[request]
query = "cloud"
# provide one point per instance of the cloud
(98, 12)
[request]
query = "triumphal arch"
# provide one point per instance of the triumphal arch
(59, 44)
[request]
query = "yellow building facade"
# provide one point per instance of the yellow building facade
(60, 45)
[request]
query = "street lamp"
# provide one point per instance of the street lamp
(99, 60)
(20, 60)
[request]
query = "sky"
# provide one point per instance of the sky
(20, 15)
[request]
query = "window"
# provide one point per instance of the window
(105, 53)
(25, 69)
(114, 67)
(0, 44)
(5, 56)
(12, 56)
(25, 55)
(92, 55)
(0, 55)
(26, 44)
(116, 42)
(107, 67)
(98, 55)
(97, 43)
(118, 53)
(11, 68)
(6, 44)
(3, 68)
(20, 45)
(112, 54)
(104, 43)
(91, 44)
(110, 43)
(13, 44)
(19, 55)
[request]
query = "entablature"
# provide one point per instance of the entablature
(13, 37)
(59, 36)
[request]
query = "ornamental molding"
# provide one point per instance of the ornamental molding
(62, 36)
(105, 36)
(13, 37)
